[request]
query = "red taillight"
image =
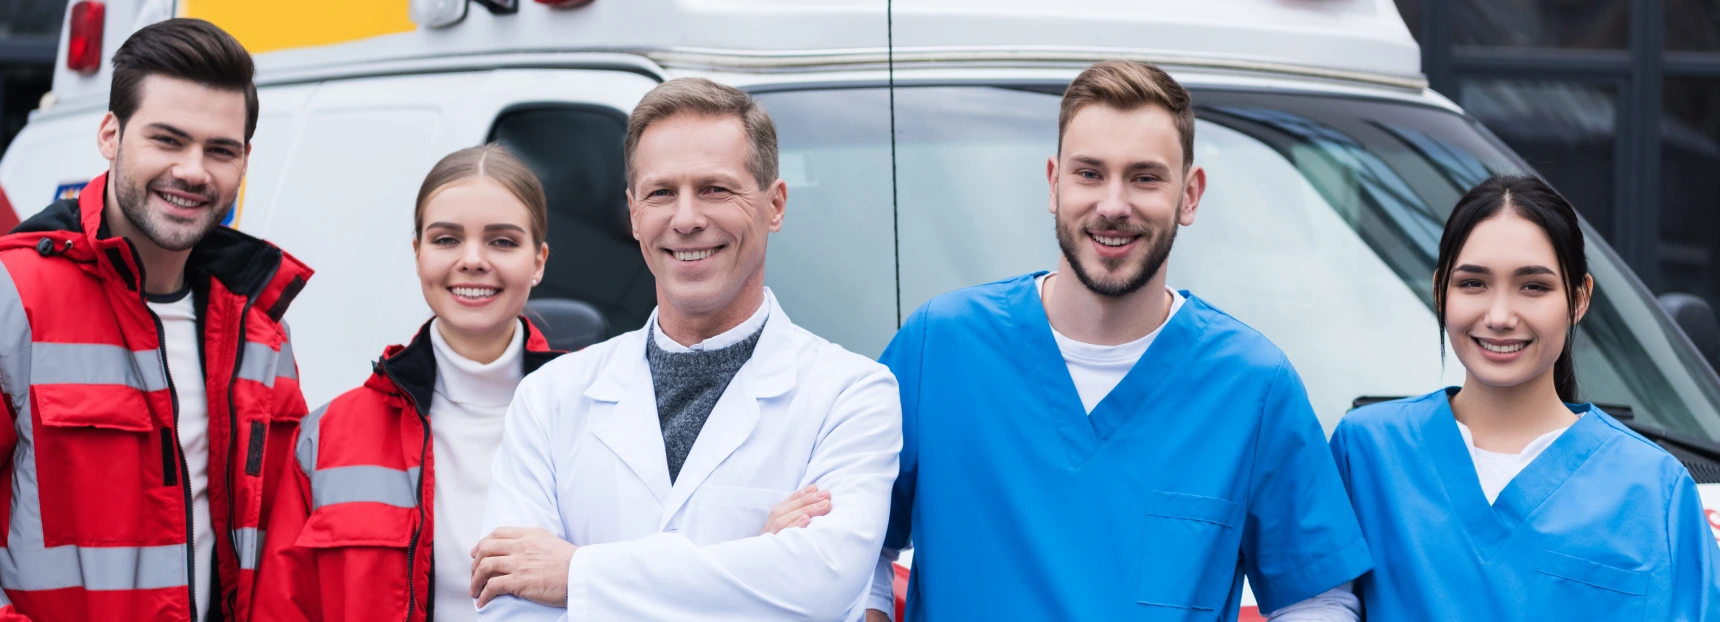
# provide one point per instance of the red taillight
(84, 49)
(564, 4)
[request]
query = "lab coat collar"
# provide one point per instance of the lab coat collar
(635, 434)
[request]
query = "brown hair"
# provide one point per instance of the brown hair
(1127, 85)
(187, 49)
(706, 98)
(495, 163)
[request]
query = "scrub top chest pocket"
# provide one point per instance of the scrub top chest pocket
(1572, 588)
(1188, 541)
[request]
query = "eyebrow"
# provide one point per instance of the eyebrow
(495, 227)
(227, 142)
(1523, 271)
(1154, 167)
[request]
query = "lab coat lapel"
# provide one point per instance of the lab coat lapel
(769, 373)
(631, 428)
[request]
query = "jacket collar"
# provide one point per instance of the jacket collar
(770, 372)
(244, 265)
(410, 370)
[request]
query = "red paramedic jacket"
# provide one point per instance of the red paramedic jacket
(95, 517)
(351, 530)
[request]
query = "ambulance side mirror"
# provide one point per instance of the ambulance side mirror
(567, 324)
(1696, 318)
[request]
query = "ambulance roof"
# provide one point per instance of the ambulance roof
(1363, 40)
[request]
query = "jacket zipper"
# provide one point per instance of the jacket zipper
(423, 453)
(231, 602)
(184, 469)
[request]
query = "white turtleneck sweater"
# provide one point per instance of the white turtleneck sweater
(466, 413)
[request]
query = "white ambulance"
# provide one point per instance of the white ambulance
(913, 140)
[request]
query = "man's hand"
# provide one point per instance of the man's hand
(798, 509)
(874, 615)
(528, 563)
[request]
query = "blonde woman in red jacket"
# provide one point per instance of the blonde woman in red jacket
(385, 499)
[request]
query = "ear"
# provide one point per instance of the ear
(107, 137)
(1194, 187)
(633, 214)
(778, 195)
(1584, 295)
(542, 260)
(1051, 179)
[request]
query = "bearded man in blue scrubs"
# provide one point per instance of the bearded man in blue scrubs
(1089, 444)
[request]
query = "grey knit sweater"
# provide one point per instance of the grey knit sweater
(688, 385)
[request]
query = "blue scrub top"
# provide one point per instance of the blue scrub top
(1603, 525)
(1204, 463)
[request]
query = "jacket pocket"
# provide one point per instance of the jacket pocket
(1573, 588)
(1188, 542)
(97, 449)
(359, 525)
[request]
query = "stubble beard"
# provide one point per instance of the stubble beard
(1158, 240)
(162, 230)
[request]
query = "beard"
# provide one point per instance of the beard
(168, 232)
(1158, 241)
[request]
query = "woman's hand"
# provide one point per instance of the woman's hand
(797, 510)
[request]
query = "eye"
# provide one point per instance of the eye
(505, 242)
(167, 140)
(223, 152)
(1539, 288)
(1470, 284)
(1087, 174)
(444, 240)
(659, 193)
(717, 189)
(1146, 179)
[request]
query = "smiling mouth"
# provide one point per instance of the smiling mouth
(180, 201)
(1110, 240)
(695, 255)
(474, 293)
(1509, 348)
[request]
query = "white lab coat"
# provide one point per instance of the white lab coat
(582, 456)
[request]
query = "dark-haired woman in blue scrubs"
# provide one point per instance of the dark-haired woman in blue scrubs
(1506, 499)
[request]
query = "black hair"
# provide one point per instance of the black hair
(1538, 203)
(188, 49)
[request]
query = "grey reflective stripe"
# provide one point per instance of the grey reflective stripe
(96, 363)
(93, 568)
(15, 355)
(309, 430)
(288, 367)
(3, 601)
(258, 363)
(249, 542)
(364, 484)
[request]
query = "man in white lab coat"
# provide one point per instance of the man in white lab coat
(635, 477)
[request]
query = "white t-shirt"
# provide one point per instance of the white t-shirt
(178, 313)
(466, 414)
(1095, 369)
(1495, 469)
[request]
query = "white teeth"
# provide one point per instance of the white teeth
(1502, 349)
(474, 292)
(694, 255)
(178, 201)
(1110, 241)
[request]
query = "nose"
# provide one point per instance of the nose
(1115, 204)
(472, 259)
(688, 219)
(190, 169)
(1501, 317)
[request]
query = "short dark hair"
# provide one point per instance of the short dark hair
(1535, 201)
(188, 49)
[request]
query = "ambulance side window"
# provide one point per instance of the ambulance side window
(576, 151)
